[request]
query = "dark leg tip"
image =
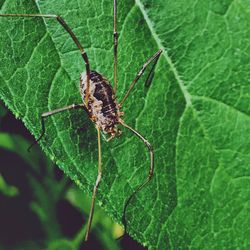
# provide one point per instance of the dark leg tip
(30, 147)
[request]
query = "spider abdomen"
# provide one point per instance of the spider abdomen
(102, 105)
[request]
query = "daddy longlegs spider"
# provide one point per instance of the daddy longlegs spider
(99, 102)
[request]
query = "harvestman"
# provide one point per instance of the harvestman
(99, 102)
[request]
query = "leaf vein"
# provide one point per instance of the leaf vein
(165, 54)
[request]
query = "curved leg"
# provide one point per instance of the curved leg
(98, 180)
(73, 36)
(150, 174)
(154, 58)
(115, 45)
(53, 112)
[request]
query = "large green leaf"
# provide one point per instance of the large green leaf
(196, 112)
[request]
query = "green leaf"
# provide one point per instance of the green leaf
(6, 189)
(195, 113)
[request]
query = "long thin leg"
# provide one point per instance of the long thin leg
(139, 74)
(151, 73)
(96, 184)
(73, 36)
(150, 174)
(53, 112)
(115, 45)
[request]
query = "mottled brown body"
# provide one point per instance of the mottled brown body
(102, 105)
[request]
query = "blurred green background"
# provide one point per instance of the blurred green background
(40, 207)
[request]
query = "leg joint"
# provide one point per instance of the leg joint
(74, 106)
(150, 147)
(98, 179)
(150, 175)
(115, 37)
(85, 57)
